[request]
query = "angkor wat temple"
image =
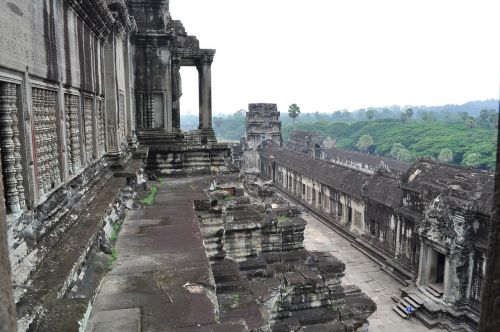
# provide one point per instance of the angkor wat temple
(116, 219)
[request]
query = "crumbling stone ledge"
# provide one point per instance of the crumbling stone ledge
(63, 286)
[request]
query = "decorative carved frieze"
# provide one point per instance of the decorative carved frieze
(73, 133)
(101, 144)
(8, 147)
(89, 133)
(46, 140)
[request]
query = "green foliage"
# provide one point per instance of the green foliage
(471, 160)
(112, 259)
(230, 127)
(364, 143)
(236, 298)
(151, 197)
(419, 138)
(398, 151)
(293, 112)
(228, 197)
(488, 118)
(370, 114)
(282, 218)
(445, 156)
(114, 233)
(428, 117)
(406, 115)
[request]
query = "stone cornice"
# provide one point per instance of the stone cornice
(95, 14)
(195, 57)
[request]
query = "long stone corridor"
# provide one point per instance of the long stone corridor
(160, 256)
(363, 272)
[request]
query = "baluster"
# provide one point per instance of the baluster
(75, 133)
(54, 142)
(101, 127)
(69, 148)
(45, 142)
(149, 110)
(39, 137)
(17, 144)
(8, 147)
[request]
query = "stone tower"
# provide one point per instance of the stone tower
(263, 126)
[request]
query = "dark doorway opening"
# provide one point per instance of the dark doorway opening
(440, 260)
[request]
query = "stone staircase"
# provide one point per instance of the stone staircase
(410, 300)
(435, 290)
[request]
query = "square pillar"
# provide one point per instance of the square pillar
(205, 91)
(176, 93)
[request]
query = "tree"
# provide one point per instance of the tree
(484, 119)
(364, 143)
(471, 160)
(470, 122)
(399, 152)
(406, 115)
(464, 116)
(493, 118)
(370, 114)
(329, 143)
(293, 112)
(396, 147)
(445, 156)
(428, 117)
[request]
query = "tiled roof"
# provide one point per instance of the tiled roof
(384, 190)
(463, 185)
(367, 158)
(338, 177)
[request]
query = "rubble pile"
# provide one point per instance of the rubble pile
(264, 276)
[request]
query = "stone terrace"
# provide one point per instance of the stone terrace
(162, 279)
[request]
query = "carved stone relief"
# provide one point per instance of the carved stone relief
(46, 141)
(72, 133)
(89, 134)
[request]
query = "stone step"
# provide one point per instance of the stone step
(415, 298)
(411, 302)
(400, 312)
(438, 288)
(432, 292)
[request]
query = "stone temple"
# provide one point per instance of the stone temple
(113, 218)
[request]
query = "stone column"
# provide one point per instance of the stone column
(176, 94)
(7, 306)
(205, 90)
(8, 147)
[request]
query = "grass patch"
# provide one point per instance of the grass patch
(151, 197)
(235, 298)
(111, 259)
(228, 198)
(114, 233)
(283, 218)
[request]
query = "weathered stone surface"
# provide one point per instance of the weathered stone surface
(265, 276)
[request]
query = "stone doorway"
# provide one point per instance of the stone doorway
(436, 276)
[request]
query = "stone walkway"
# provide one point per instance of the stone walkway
(364, 273)
(162, 279)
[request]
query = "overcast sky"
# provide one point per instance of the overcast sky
(327, 55)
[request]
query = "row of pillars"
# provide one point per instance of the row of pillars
(204, 67)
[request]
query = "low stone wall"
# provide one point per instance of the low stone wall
(60, 286)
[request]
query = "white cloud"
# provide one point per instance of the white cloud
(329, 54)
